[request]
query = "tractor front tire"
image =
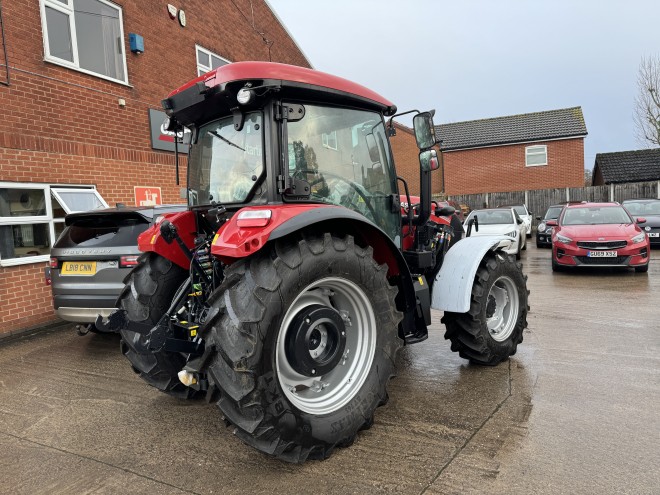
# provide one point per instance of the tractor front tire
(493, 327)
(306, 338)
(147, 295)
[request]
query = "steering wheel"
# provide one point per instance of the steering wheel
(351, 184)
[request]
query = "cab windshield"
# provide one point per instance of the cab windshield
(344, 156)
(226, 164)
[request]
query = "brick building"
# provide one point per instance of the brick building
(80, 113)
(515, 153)
(406, 159)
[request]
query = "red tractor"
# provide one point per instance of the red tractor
(284, 291)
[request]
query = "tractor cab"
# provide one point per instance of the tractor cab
(268, 133)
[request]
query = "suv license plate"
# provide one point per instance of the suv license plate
(601, 254)
(85, 268)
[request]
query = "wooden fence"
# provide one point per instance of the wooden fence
(539, 200)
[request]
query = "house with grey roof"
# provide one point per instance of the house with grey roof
(530, 151)
(627, 166)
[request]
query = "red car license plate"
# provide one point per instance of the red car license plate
(601, 254)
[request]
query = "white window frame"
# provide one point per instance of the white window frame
(50, 191)
(201, 68)
(75, 65)
(529, 151)
(327, 138)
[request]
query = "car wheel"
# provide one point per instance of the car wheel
(642, 269)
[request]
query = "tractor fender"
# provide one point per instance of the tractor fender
(238, 239)
(234, 241)
(152, 241)
(452, 287)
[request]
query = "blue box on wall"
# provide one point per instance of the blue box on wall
(137, 43)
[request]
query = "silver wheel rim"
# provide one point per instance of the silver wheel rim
(502, 309)
(332, 391)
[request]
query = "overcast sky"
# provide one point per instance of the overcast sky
(475, 59)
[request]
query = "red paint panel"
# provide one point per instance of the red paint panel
(151, 241)
(239, 71)
(233, 241)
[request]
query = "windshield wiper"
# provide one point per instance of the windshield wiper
(226, 140)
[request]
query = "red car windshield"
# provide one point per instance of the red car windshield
(595, 215)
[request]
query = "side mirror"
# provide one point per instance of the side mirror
(445, 211)
(424, 129)
(552, 223)
(428, 160)
(641, 220)
(519, 221)
(538, 218)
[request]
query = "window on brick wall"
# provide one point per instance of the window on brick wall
(207, 61)
(536, 155)
(86, 35)
(329, 140)
(32, 217)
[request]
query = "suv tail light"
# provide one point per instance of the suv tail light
(128, 261)
(53, 263)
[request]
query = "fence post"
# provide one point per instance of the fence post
(658, 195)
(568, 195)
(612, 192)
(527, 199)
(487, 205)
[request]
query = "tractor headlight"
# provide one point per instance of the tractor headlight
(244, 96)
(563, 239)
(639, 238)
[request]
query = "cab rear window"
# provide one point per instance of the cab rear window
(102, 232)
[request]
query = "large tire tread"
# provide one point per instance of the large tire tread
(252, 296)
(146, 296)
(467, 331)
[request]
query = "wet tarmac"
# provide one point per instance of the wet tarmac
(576, 410)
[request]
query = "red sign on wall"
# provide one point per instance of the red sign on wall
(148, 196)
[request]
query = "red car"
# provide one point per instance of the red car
(598, 235)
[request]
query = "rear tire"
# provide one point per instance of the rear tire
(493, 327)
(259, 376)
(147, 295)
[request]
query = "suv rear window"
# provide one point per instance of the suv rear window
(102, 231)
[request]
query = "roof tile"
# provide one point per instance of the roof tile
(538, 126)
(629, 166)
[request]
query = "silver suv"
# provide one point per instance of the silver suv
(92, 256)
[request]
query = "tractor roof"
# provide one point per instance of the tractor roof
(289, 78)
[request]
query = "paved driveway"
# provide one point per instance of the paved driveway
(575, 411)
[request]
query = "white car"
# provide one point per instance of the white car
(524, 214)
(500, 222)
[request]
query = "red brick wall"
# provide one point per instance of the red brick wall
(64, 126)
(502, 168)
(406, 159)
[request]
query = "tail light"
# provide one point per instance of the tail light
(128, 261)
(53, 263)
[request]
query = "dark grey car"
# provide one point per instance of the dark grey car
(650, 210)
(92, 256)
